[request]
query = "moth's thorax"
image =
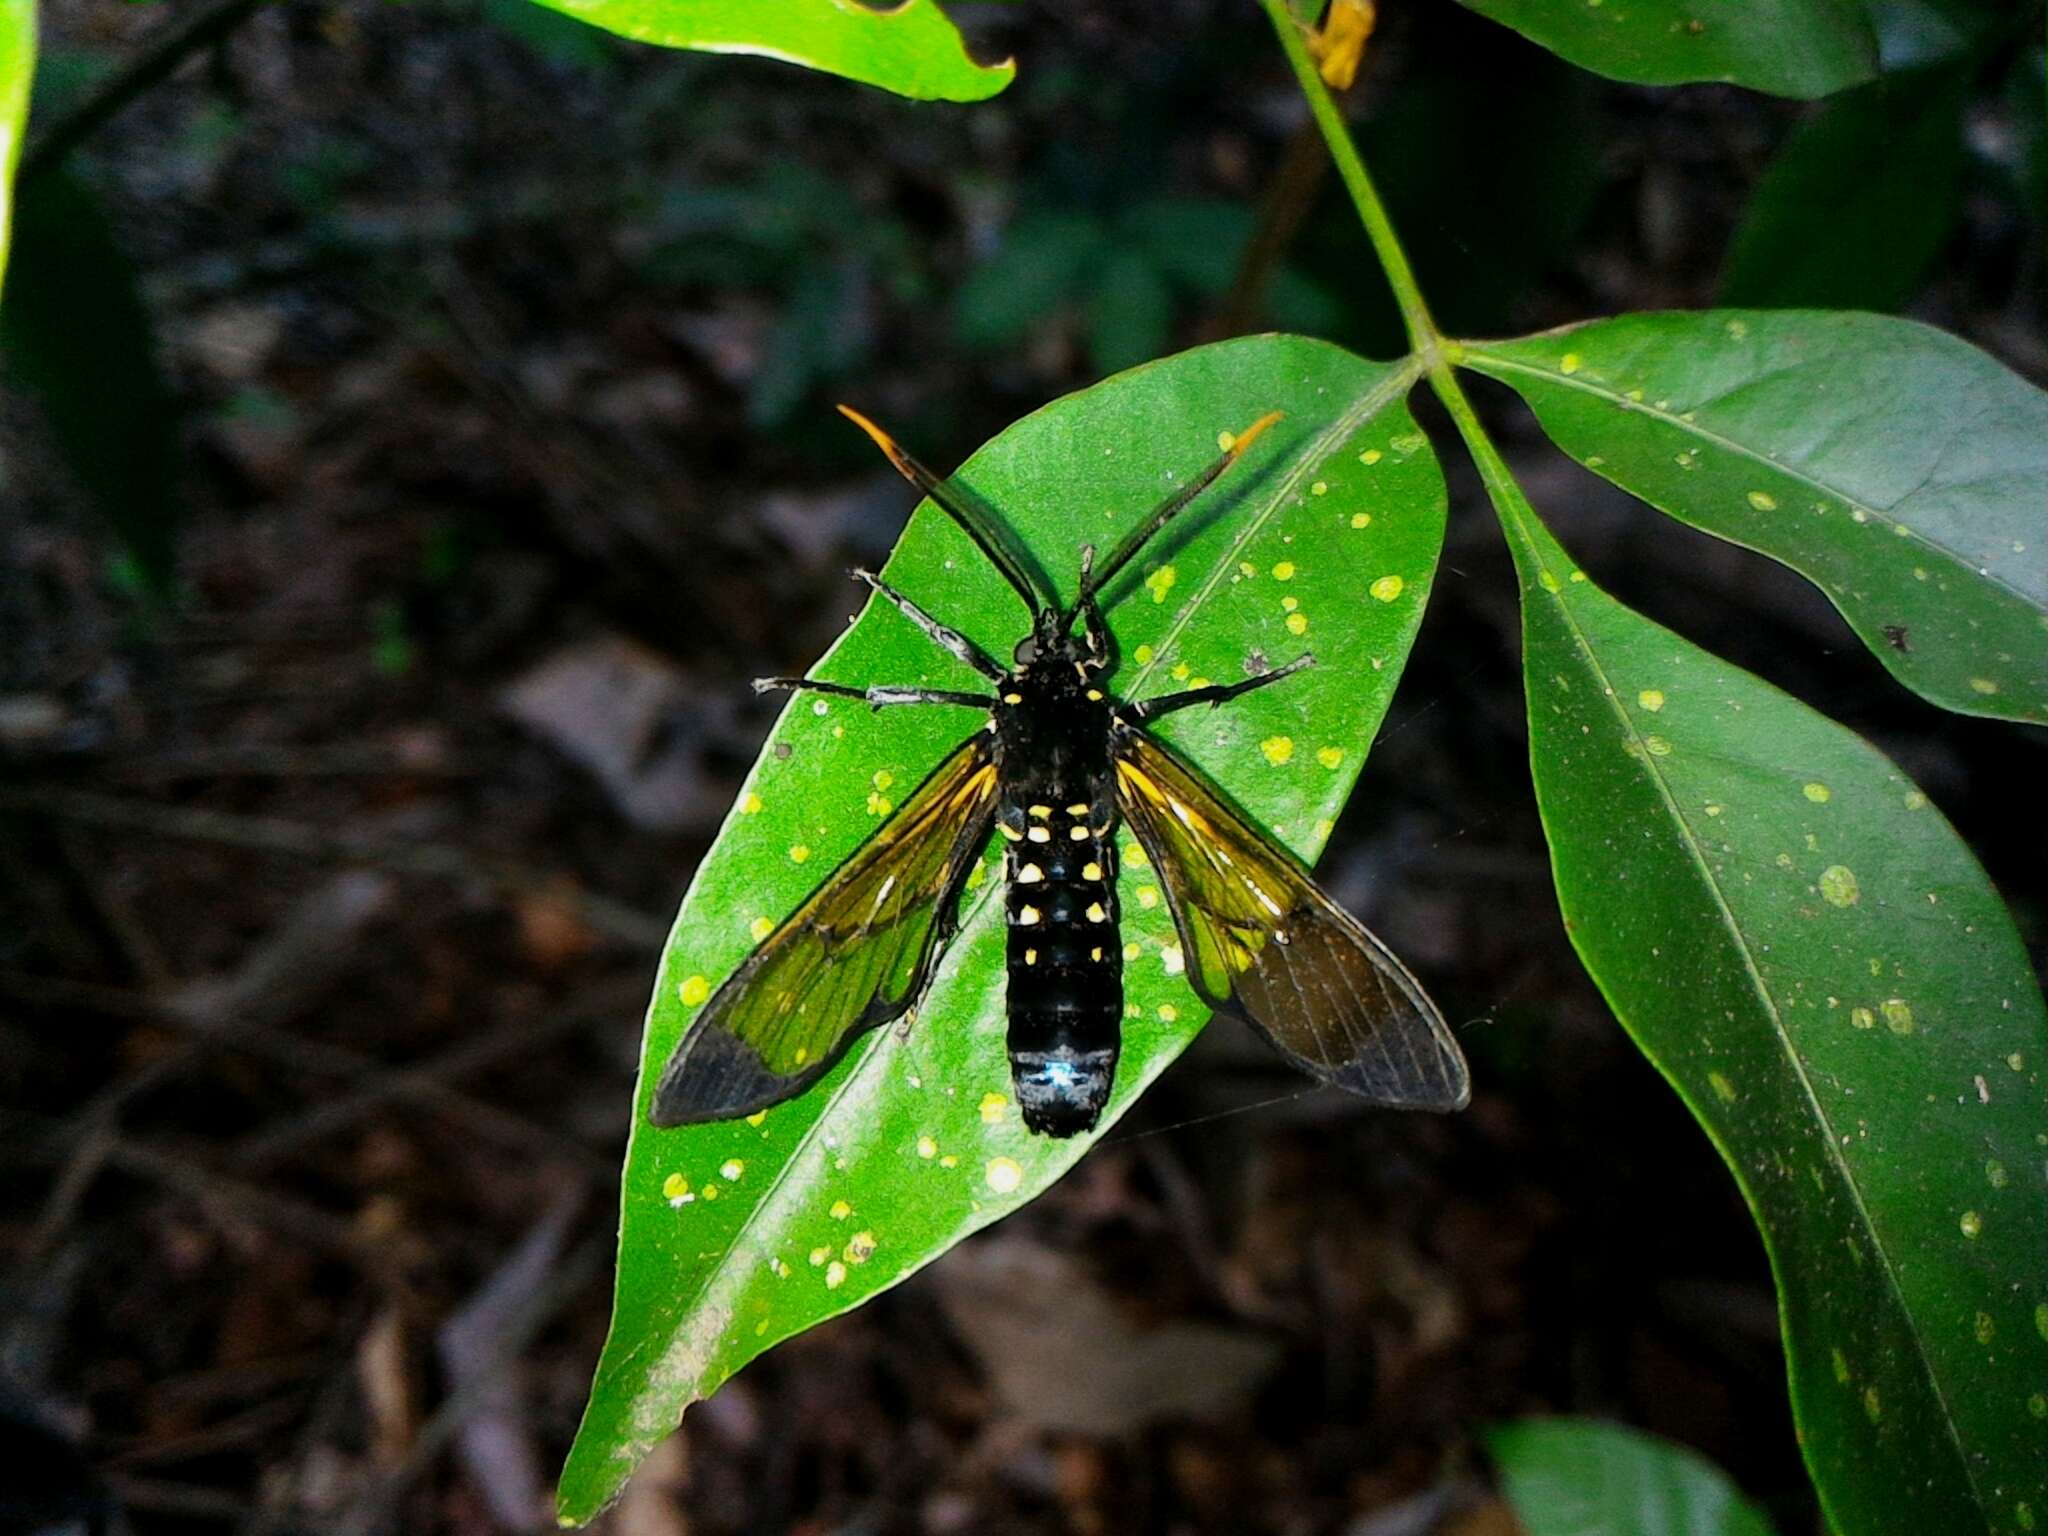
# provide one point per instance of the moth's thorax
(1053, 727)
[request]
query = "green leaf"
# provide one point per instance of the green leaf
(17, 68)
(1897, 468)
(1580, 1477)
(1858, 200)
(76, 336)
(1785, 47)
(912, 1142)
(910, 48)
(1808, 952)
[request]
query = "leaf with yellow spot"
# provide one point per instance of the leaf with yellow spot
(1755, 977)
(1897, 468)
(693, 1289)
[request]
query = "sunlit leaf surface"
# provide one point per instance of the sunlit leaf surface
(1802, 945)
(1899, 469)
(17, 69)
(1324, 536)
(909, 48)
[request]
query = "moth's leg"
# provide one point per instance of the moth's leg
(876, 697)
(1216, 693)
(949, 640)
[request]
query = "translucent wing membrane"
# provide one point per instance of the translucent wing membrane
(1263, 943)
(856, 954)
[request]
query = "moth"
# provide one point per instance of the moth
(1059, 765)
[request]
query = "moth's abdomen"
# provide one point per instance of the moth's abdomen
(1066, 997)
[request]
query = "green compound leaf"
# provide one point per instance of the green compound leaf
(1808, 952)
(911, 49)
(1900, 470)
(1326, 535)
(1580, 1477)
(1786, 47)
(17, 69)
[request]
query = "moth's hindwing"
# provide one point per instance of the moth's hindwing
(1264, 943)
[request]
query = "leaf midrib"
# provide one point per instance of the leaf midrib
(1398, 380)
(1726, 914)
(1678, 423)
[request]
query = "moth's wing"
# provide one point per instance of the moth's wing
(1263, 942)
(856, 954)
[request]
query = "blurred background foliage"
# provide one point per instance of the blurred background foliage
(416, 431)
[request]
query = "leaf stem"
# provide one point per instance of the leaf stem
(166, 48)
(1422, 332)
(1434, 353)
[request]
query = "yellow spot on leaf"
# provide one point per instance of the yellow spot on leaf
(750, 804)
(840, 1210)
(1168, 1012)
(1838, 887)
(1763, 501)
(1651, 699)
(1898, 1016)
(1284, 571)
(1143, 654)
(1983, 685)
(1371, 456)
(860, 1247)
(799, 853)
(1297, 623)
(675, 1187)
(1320, 488)
(1148, 896)
(1387, 588)
(1161, 581)
(1278, 749)
(760, 928)
(1361, 519)
(926, 1147)
(1004, 1174)
(993, 1107)
(1971, 1224)
(1569, 363)
(1656, 746)
(1724, 1089)
(1819, 794)
(835, 1275)
(731, 1169)
(1329, 757)
(694, 990)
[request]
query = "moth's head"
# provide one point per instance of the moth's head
(1061, 1092)
(1052, 640)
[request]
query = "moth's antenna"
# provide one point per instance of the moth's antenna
(1095, 580)
(977, 527)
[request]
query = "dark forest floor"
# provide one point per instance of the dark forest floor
(504, 356)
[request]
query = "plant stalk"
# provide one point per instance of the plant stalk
(1423, 335)
(1433, 352)
(165, 50)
